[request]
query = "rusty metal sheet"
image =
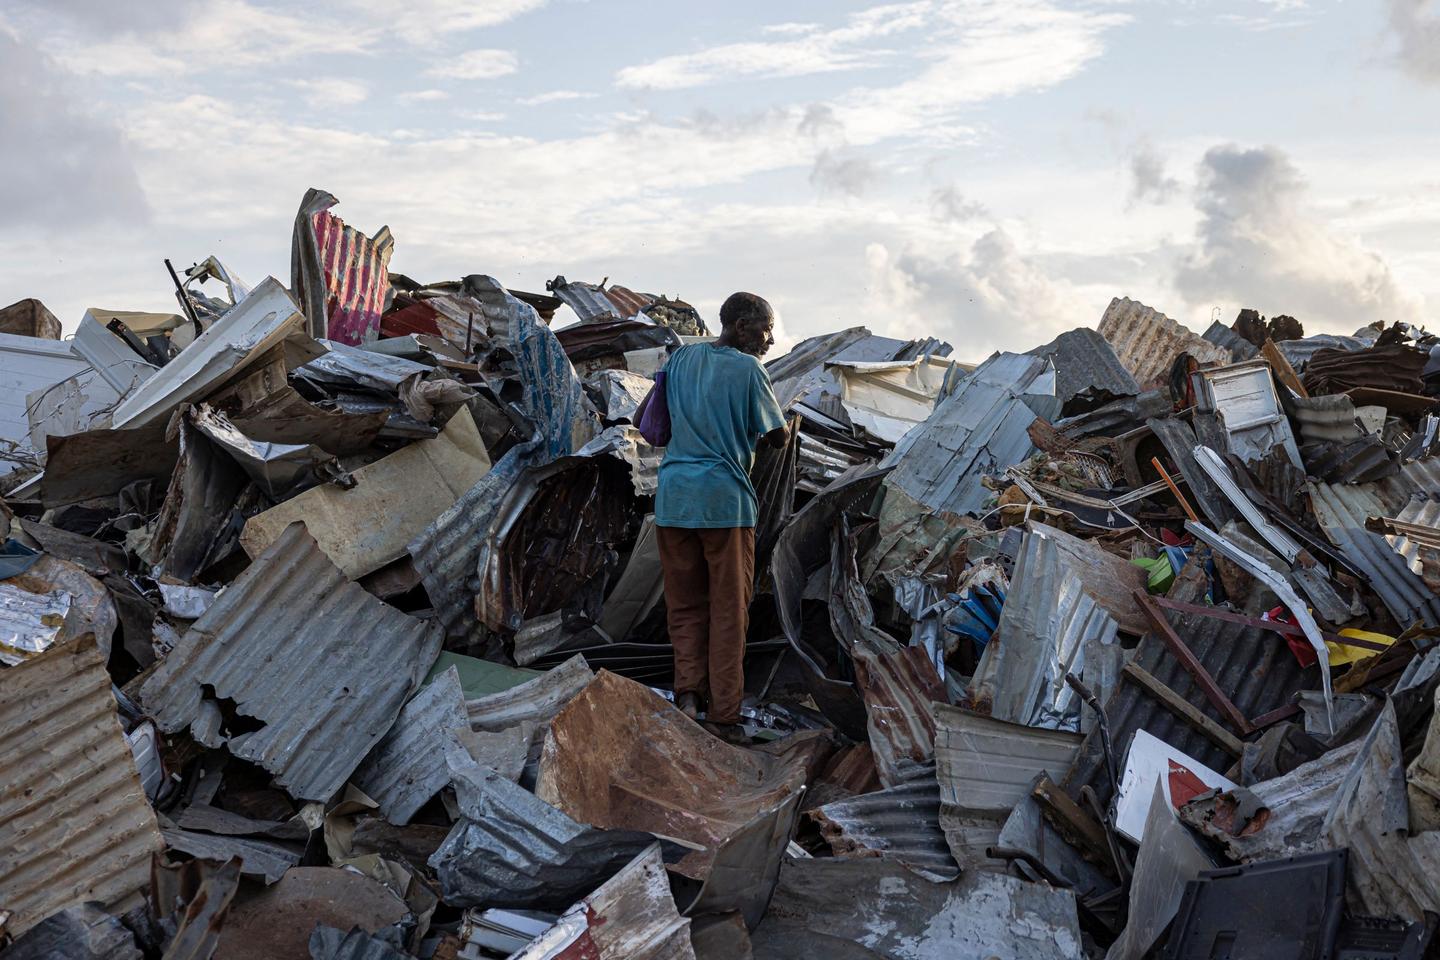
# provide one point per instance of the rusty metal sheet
(74, 822)
(747, 865)
(536, 700)
(845, 905)
(1396, 366)
(199, 927)
(631, 917)
(900, 690)
(276, 923)
(984, 768)
(621, 757)
(899, 823)
(317, 663)
(1147, 342)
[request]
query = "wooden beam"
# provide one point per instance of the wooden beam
(1075, 825)
(1192, 666)
(1185, 710)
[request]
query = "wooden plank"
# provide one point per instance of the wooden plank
(1075, 825)
(1185, 710)
(1282, 368)
(1192, 666)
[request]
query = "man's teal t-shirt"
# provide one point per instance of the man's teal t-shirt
(720, 404)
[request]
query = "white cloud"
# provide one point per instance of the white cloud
(990, 297)
(483, 64)
(1259, 245)
(810, 52)
(949, 205)
(843, 172)
(422, 96)
(1149, 180)
(424, 22)
(556, 96)
(1416, 25)
(330, 92)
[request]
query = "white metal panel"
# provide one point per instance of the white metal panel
(28, 364)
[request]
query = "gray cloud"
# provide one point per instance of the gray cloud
(1416, 24)
(1148, 179)
(107, 16)
(844, 173)
(1258, 245)
(58, 163)
(949, 205)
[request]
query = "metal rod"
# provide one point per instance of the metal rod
(1184, 504)
(1192, 665)
(184, 299)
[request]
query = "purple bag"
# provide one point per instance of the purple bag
(655, 414)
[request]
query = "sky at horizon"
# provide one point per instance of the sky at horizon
(990, 172)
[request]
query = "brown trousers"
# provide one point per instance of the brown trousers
(709, 579)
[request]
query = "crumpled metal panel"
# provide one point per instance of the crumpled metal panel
(83, 932)
(1396, 366)
(1419, 546)
(747, 865)
(535, 701)
(1086, 363)
(808, 356)
(1286, 814)
(1391, 871)
(242, 336)
(1118, 416)
(978, 430)
(1326, 419)
(984, 768)
(1254, 667)
(1342, 510)
(332, 943)
(631, 917)
(620, 392)
(882, 906)
(74, 822)
(446, 554)
(265, 859)
(323, 665)
(352, 368)
(1049, 626)
(1298, 352)
(899, 823)
(511, 849)
(407, 767)
(1203, 493)
(339, 274)
(555, 528)
(621, 757)
(1147, 342)
(900, 689)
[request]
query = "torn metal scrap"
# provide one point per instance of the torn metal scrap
(900, 823)
(407, 767)
(1147, 342)
(322, 665)
(81, 829)
(630, 917)
(620, 757)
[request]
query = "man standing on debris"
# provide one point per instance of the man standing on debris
(720, 404)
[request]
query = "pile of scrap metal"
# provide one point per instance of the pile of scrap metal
(331, 626)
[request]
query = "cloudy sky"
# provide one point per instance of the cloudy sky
(988, 171)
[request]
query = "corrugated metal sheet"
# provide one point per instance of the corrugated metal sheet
(1203, 493)
(512, 849)
(1117, 417)
(74, 822)
(1147, 342)
(407, 767)
(1395, 366)
(876, 908)
(588, 300)
(83, 932)
(1254, 667)
(238, 339)
(1049, 626)
(262, 858)
(985, 767)
(1419, 544)
(1085, 363)
(978, 430)
(322, 665)
(1342, 510)
(1391, 871)
(619, 756)
(808, 356)
(899, 689)
(631, 917)
(446, 554)
(1222, 336)
(901, 823)
(1299, 352)
(1326, 418)
(339, 274)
